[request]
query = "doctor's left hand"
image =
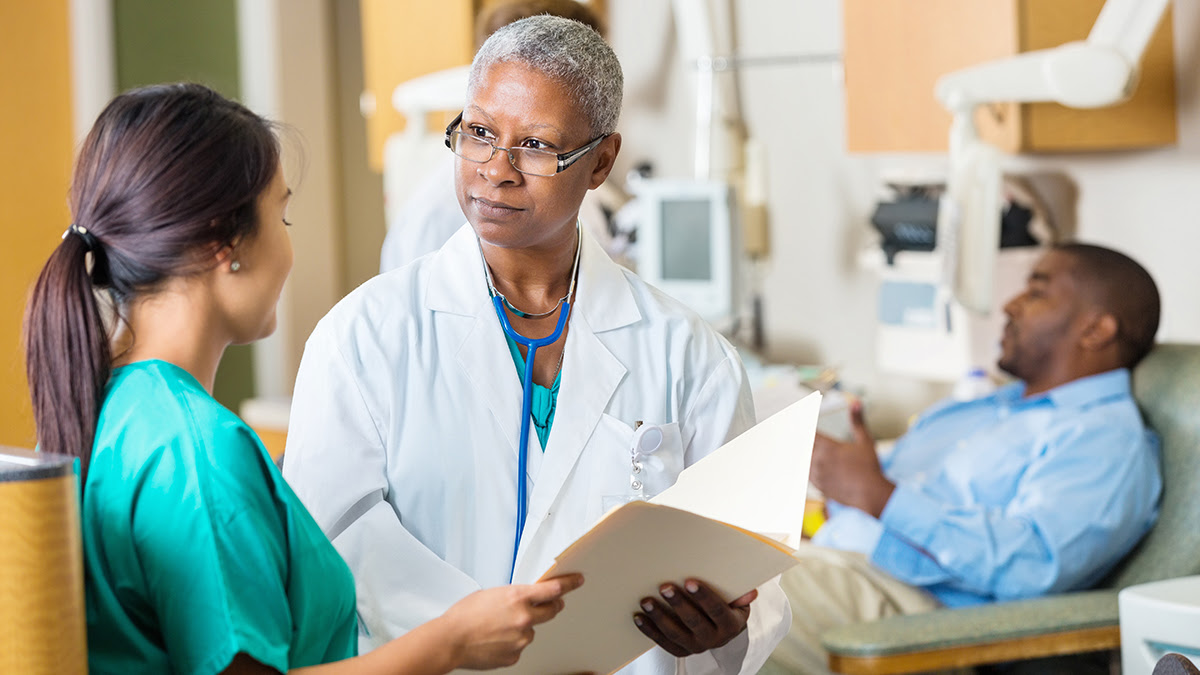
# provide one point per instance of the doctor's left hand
(692, 618)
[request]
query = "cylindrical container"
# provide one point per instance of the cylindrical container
(42, 624)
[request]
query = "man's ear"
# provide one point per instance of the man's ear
(1101, 332)
(606, 157)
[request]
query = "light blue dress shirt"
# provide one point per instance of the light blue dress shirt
(1006, 497)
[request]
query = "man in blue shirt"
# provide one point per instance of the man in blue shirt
(1040, 487)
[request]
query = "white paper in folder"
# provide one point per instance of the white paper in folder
(709, 526)
(758, 480)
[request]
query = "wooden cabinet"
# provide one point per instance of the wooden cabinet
(403, 39)
(894, 51)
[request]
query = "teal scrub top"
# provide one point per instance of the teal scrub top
(195, 549)
(544, 400)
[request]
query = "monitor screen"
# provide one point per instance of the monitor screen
(686, 240)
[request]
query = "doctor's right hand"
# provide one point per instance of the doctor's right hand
(489, 628)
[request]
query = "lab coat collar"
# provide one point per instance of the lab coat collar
(456, 281)
(603, 295)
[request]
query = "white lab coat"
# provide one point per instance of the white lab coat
(404, 427)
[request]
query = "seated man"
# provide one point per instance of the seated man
(1040, 487)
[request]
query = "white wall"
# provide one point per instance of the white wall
(288, 64)
(1146, 203)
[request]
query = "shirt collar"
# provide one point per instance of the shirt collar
(1076, 393)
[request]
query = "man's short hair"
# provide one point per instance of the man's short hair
(1124, 289)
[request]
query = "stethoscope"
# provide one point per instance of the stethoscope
(499, 302)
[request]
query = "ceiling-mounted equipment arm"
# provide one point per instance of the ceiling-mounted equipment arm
(1099, 71)
(1096, 72)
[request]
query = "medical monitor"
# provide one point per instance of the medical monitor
(687, 244)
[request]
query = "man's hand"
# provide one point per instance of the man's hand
(849, 472)
(692, 619)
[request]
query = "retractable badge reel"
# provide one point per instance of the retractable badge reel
(647, 438)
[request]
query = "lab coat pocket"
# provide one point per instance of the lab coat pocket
(657, 470)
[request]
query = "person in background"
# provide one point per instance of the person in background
(431, 214)
(198, 557)
(1040, 487)
(409, 422)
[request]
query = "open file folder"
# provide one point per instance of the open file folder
(732, 519)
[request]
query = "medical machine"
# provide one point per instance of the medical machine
(408, 155)
(1097, 72)
(923, 331)
(1158, 618)
(688, 244)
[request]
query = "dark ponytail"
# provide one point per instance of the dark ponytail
(168, 175)
(67, 353)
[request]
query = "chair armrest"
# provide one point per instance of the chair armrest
(950, 638)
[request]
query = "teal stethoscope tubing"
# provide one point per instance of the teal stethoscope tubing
(531, 345)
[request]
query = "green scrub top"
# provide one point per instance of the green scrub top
(195, 549)
(544, 400)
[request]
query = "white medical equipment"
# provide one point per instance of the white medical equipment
(687, 244)
(922, 331)
(1099, 71)
(532, 345)
(1158, 618)
(408, 155)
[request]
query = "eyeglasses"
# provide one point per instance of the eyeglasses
(528, 161)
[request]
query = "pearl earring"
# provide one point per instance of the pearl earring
(235, 266)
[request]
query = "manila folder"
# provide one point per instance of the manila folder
(624, 558)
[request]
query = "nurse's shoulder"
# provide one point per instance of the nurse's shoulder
(157, 420)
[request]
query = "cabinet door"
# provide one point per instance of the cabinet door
(37, 146)
(403, 39)
(1146, 119)
(894, 52)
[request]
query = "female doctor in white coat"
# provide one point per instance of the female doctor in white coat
(408, 407)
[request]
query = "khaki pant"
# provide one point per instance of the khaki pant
(830, 588)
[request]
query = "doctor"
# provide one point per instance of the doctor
(406, 432)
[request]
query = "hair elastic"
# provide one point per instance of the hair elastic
(89, 239)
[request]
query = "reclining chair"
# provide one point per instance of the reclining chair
(1167, 387)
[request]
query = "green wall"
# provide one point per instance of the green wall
(172, 40)
(197, 41)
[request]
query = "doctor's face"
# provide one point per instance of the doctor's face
(515, 106)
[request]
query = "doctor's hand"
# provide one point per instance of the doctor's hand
(489, 628)
(849, 472)
(692, 618)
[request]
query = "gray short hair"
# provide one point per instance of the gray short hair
(566, 51)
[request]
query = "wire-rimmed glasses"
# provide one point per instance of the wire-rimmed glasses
(530, 161)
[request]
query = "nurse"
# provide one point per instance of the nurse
(199, 559)
(406, 438)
